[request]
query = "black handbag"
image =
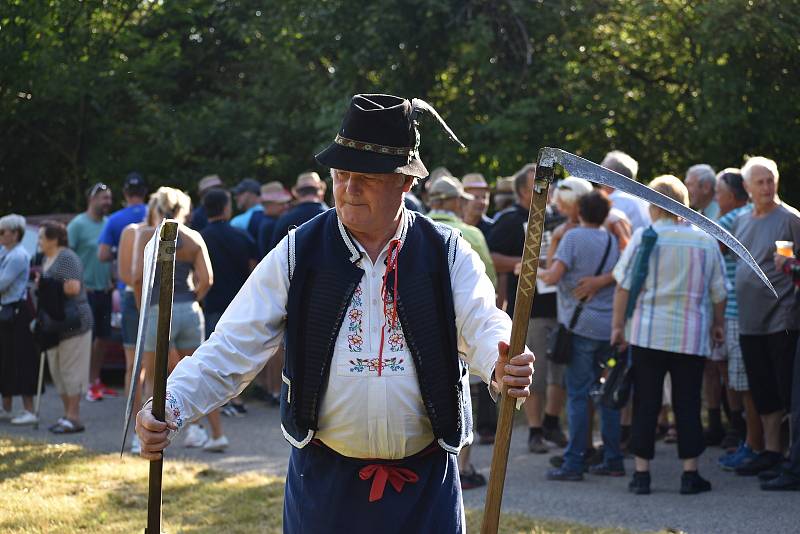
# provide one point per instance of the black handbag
(559, 345)
(615, 390)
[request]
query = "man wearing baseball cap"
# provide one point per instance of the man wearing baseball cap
(247, 194)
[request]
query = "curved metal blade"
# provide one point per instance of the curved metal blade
(583, 168)
(148, 278)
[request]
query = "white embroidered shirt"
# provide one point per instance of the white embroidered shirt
(362, 415)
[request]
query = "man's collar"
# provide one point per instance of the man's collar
(355, 248)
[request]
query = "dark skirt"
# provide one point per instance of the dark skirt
(19, 359)
(327, 492)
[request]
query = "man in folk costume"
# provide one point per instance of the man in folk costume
(383, 313)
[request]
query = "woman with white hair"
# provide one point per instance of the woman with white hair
(19, 364)
(193, 278)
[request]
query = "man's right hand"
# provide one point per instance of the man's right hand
(153, 434)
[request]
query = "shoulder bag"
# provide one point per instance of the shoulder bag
(559, 346)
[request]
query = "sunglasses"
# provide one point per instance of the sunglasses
(97, 188)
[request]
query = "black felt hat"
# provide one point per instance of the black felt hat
(379, 135)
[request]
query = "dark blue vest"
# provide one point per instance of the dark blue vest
(323, 278)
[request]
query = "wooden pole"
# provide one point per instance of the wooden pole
(519, 331)
(166, 262)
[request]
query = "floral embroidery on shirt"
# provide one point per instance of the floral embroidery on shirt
(370, 365)
(355, 338)
(174, 409)
(395, 337)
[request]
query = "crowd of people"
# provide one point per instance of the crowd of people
(630, 283)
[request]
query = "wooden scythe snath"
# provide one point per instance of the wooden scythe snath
(166, 271)
(519, 331)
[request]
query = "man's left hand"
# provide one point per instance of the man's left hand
(515, 372)
(587, 287)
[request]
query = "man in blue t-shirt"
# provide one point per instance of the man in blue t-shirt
(309, 190)
(134, 190)
(247, 194)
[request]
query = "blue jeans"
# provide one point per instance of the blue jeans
(582, 372)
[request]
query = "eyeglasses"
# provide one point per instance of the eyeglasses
(97, 188)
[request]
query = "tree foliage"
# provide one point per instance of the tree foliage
(91, 90)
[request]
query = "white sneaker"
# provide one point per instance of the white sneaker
(25, 418)
(195, 437)
(136, 445)
(5, 416)
(216, 445)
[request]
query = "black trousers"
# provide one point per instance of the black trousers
(486, 417)
(650, 366)
(768, 360)
(19, 358)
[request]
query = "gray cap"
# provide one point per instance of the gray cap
(448, 187)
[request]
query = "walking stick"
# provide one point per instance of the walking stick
(519, 331)
(39, 383)
(166, 263)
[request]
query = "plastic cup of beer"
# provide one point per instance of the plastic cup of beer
(785, 248)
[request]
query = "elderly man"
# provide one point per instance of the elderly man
(636, 209)
(383, 313)
(701, 181)
(475, 209)
(768, 327)
(199, 219)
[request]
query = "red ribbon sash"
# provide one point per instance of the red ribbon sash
(382, 473)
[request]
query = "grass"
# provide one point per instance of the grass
(63, 488)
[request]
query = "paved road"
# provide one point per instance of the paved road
(735, 506)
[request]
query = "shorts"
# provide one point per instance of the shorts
(100, 302)
(737, 375)
(130, 320)
(188, 327)
(769, 360)
(69, 364)
(546, 372)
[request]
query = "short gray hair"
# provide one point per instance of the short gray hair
(759, 161)
(619, 161)
(705, 174)
(13, 223)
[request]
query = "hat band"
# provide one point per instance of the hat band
(372, 147)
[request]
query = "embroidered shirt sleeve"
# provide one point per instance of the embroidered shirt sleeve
(246, 337)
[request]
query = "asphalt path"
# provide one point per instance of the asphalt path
(736, 504)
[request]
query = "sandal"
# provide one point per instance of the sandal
(65, 426)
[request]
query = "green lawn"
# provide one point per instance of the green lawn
(48, 488)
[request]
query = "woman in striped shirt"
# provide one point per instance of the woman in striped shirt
(677, 314)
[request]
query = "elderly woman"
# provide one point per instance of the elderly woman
(676, 315)
(584, 251)
(19, 364)
(69, 359)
